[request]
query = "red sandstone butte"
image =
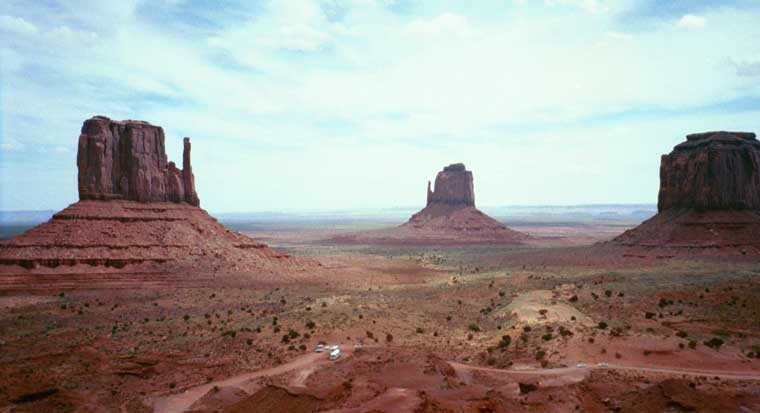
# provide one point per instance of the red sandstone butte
(709, 199)
(127, 160)
(135, 209)
(449, 218)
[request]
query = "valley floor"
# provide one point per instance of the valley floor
(501, 329)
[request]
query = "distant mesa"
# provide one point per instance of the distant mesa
(709, 199)
(136, 209)
(449, 218)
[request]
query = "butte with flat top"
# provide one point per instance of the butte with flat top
(449, 218)
(137, 213)
(709, 200)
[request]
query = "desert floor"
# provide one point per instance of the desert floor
(422, 329)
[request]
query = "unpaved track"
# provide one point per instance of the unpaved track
(308, 363)
(177, 403)
(575, 370)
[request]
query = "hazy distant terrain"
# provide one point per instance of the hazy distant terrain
(16, 222)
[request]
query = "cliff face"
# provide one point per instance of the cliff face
(709, 200)
(713, 170)
(127, 160)
(453, 186)
(136, 210)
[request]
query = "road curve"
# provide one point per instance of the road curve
(177, 403)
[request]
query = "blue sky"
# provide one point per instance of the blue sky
(355, 104)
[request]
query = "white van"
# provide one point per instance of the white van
(335, 354)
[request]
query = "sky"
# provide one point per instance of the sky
(356, 104)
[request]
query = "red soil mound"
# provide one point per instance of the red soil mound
(690, 232)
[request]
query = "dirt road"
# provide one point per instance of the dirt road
(308, 363)
(577, 370)
(177, 403)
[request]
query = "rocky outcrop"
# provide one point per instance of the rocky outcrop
(453, 186)
(713, 170)
(136, 210)
(449, 218)
(709, 199)
(127, 160)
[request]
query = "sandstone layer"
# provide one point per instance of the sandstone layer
(709, 200)
(713, 170)
(449, 218)
(127, 160)
(135, 209)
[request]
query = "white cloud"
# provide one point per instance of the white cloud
(446, 23)
(17, 25)
(592, 6)
(10, 144)
(293, 92)
(690, 21)
(67, 34)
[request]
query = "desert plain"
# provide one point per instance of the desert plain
(428, 329)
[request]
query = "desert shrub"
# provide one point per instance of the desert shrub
(293, 334)
(682, 334)
(302, 347)
(469, 336)
(664, 302)
(229, 333)
(285, 339)
(186, 317)
(540, 354)
(527, 329)
(649, 315)
(248, 341)
(714, 342)
(543, 311)
(389, 337)
(620, 294)
(448, 318)
(276, 329)
(505, 341)
(474, 327)
(501, 293)
(616, 332)
(574, 298)
(608, 293)
(602, 325)
(419, 330)
(491, 361)
(547, 337)
(324, 304)
(565, 332)
(310, 324)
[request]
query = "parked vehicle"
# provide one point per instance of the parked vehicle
(320, 348)
(581, 365)
(335, 354)
(602, 364)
